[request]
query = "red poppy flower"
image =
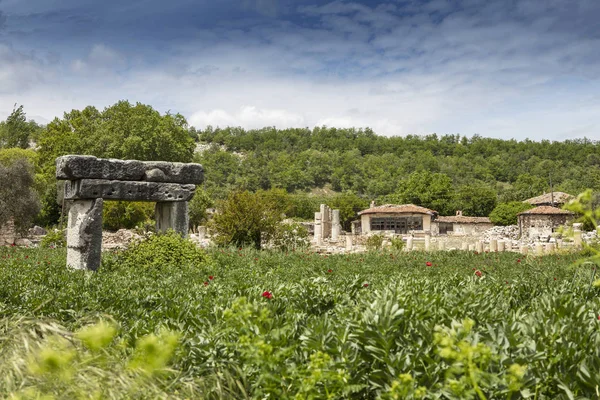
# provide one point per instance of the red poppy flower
(330, 270)
(26, 256)
(366, 285)
(478, 273)
(210, 278)
(598, 317)
(554, 278)
(519, 260)
(205, 283)
(428, 264)
(267, 294)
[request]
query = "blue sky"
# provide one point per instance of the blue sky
(510, 68)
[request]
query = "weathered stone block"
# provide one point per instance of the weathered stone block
(173, 216)
(84, 234)
(124, 190)
(74, 167)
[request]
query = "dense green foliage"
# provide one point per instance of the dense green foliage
(246, 218)
(122, 131)
(442, 172)
(18, 199)
(300, 325)
(506, 213)
(126, 214)
(16, 131)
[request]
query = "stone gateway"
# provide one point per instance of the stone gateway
(92, 180)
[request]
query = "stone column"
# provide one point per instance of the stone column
(84, 234)
(524, 249)
(427, 242)
(335, 225)
(348, 242)
(479, 246)
(471, 247)
(441, 246)
(493, 245)
(318, 228)
(550, 248)
(578, 242)
(501, 245)
(539, 249)
(172, 215)
(464, 246)
(409, 243)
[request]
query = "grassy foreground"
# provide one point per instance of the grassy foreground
(165, 320)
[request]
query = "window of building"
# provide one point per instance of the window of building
(397, 224)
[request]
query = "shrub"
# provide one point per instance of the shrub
(397, 243)
(126, 214)
(506, 213)
(160, 251)
(290, 236)
(54, 239)
(18, 200)
(374, 242)
(246, 218)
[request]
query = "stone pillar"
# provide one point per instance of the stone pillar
(493, 245)
(464, 246)
(578, 242)
(409, 243)
(441, 246)
(201, 232)
(318, 228)
(471, 247)
(348, 242)
(172, 215)
(550, 248)
(479, 246)
(84, 234)
(427, 242)
(501, 245)
(335, 225)
(524, 249)
(539, 249)
(325, 221)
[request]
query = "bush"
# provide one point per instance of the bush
(246, 219)
(506, 213)
(197, 208)
(374, 242)
(397, 243)
(290, 236)
(18, 200)
(159, 251)
(54, 239)
(126, 214)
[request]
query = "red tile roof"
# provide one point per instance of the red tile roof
(460, 219)
(398, 209)
(546, 210)
(559, 198)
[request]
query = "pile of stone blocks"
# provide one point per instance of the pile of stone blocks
(91, 180)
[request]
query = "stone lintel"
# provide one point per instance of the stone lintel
(74, 167)
(127, 190)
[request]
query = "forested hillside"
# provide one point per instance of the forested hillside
(443, 172)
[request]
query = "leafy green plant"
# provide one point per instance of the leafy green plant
(506, 213)
(374, 242)
(126, 214)
(55, 238)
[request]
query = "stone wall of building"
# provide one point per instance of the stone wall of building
(534, 226)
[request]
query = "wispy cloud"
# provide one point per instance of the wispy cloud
(497, 68)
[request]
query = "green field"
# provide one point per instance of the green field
(298, 325)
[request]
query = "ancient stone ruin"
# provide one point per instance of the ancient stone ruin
(91, 180)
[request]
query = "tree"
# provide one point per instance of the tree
(18, 200)
(245, 218)
(15, 132)
(426, 189)
(122, 130)
(476, 200)
(197, 207)
(506, 213)
(349, 205)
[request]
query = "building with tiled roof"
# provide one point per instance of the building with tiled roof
(550, 199)
(396, 218)
(542, 221)
(460, 225)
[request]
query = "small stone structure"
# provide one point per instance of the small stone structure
(91, 180)
(460, 225)
(542, 221)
